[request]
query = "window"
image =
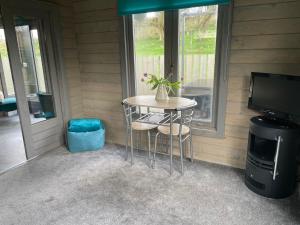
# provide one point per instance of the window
(30, 55)
(148, 41)
(192, 43)
(5, 72)
(41, 84)
(197, 54)
(33, 58)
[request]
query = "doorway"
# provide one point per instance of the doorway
(32, 40)
(12, 149)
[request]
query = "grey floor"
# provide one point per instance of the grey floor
(101, 188)
(12, 150)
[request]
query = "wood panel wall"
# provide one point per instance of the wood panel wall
(70, 56)
(265, 38)
(97, 32)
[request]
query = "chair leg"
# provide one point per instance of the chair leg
(155, 146)
(131, 146)
(181, 153)
(184, 150)
(191, 147)
(167, 144)
(149, 148)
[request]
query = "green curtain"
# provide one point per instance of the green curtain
(126, 7)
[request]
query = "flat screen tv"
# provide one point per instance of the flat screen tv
(275, 94)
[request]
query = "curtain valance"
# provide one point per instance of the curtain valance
(127, 7)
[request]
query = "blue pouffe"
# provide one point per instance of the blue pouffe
(85, 135)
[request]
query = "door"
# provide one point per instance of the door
(31, 52)
(12, 149)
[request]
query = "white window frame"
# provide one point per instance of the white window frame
(217, 128)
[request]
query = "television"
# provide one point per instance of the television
(277, 95)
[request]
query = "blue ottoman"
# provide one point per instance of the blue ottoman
(85, 135)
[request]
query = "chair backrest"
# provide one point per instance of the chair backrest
(129, 111)
(186, 118)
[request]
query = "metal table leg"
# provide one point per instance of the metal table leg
(191, 147)
(126, 140)
(149, 149)
(171, 143)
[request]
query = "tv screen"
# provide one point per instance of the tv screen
(277, 93)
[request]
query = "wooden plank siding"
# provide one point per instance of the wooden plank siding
(265, 38)
(97, 34)
(70, 55)
(71, 58)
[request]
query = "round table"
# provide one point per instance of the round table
(172, 104)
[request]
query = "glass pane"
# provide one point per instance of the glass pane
(37, 88)
(197, 46)
(38, 61)
(7, 81)
(148, 39)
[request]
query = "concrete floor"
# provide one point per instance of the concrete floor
(12, 151)
(101, 188)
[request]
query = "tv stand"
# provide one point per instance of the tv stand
(271, 166)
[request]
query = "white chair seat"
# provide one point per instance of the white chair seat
(175, 129)
(142, 126)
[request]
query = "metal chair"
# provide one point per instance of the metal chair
(129, 112)
(182, 130)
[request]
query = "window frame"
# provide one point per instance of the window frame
(2, 80)
(3, 84)
(171, 60)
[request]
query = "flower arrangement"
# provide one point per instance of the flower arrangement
(163, 85)
(156, 81)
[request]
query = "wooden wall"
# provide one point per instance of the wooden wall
(70, 56)
(265, 38)
(97, 31)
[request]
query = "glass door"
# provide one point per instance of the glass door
(30, 42)
(12, 149)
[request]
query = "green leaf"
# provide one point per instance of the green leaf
(154, 86)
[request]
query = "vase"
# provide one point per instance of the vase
(162, 93)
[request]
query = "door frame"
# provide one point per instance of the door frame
(7, 9)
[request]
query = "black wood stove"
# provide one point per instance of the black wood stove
(271, 165)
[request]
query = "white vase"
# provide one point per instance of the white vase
(162, 93)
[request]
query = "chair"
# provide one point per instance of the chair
(46, 101)
(135, 126)
(181, 130)
(8, 104)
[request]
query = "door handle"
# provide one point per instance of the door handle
(279, 140)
